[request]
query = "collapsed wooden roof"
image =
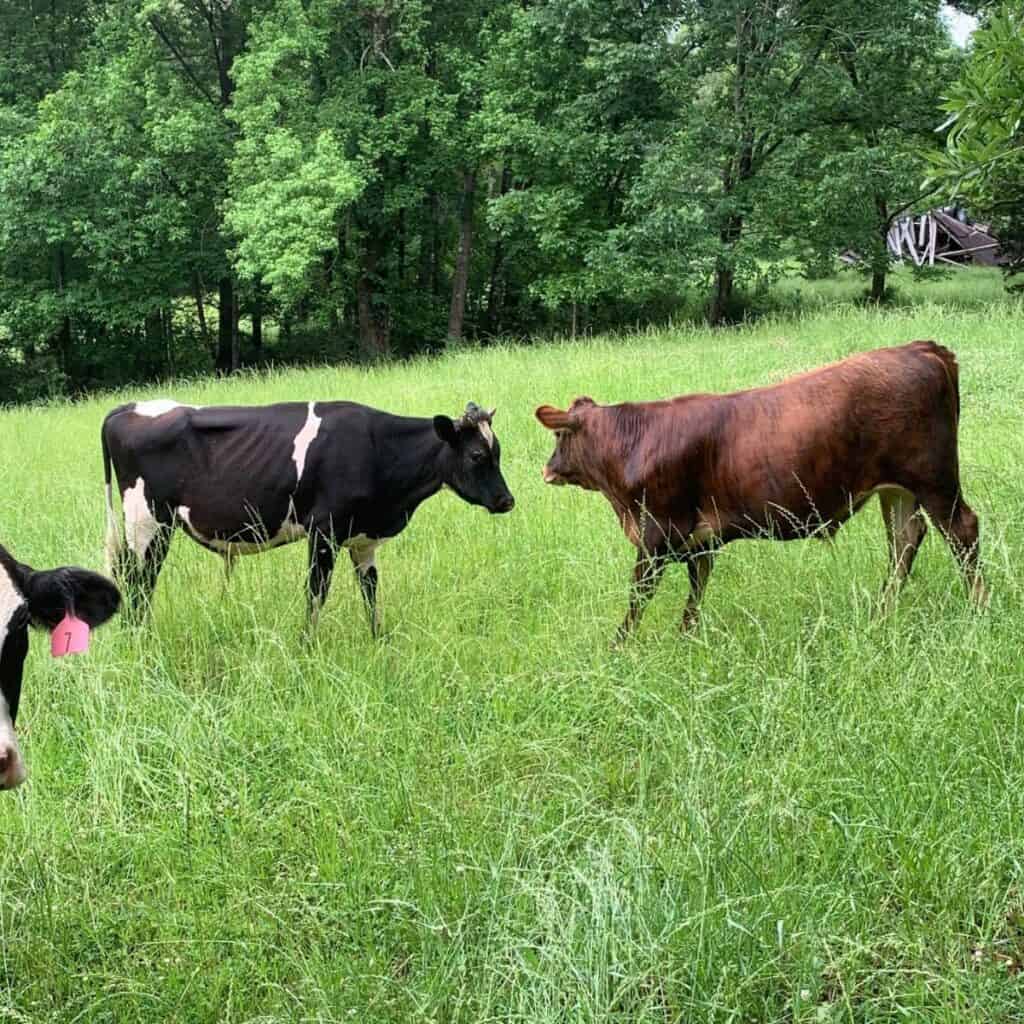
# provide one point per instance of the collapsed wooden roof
(943, 235)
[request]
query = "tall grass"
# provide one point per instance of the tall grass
(801, 813)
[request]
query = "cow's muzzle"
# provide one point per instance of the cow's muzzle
(505, 504)
(12, 767)
(551, 477)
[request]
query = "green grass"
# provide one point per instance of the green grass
(970, 288)
(798, 814)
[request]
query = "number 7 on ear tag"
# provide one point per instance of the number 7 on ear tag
(71, 636)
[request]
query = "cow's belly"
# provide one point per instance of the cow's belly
(246, 539)
(799, 516)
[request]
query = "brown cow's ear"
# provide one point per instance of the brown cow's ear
(552, 418)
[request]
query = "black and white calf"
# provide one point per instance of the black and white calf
(242, 479)
(39, 598)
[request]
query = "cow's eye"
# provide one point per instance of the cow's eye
(477, 456)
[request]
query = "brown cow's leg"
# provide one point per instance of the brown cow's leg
(699, 566)
(959, 526)
(647, 574)
(905, 527)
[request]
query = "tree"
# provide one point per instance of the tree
(862, 165)
(983, 162)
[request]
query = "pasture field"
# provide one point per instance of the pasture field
(800, 813)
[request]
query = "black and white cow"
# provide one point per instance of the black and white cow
(39, 598)
(242, 479)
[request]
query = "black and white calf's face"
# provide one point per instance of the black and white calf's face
(472, 467)
(42, 599)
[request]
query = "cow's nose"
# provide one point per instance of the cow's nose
(12, 768)
(506, 504)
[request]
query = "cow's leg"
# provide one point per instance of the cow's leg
(647, 574)
(136, 566)
(905, 527)
(959, 525)
(699, 566)
(322, 549)
(137, 574)
(363, 560)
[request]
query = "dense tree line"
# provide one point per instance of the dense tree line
(197, 184)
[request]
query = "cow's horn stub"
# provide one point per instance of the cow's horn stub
(474, 415)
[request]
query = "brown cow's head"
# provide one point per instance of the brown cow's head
(568, 463)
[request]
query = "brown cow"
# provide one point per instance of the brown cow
(796, 459)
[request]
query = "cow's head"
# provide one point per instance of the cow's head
(472, 463)
(41, 599)
(568, 464)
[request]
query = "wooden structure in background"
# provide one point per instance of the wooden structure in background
(943, 235)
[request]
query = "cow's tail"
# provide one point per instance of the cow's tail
(949, 364)
(113, 543)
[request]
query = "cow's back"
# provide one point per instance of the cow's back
(793, 456)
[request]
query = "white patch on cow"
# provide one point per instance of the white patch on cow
(140, 525)
(11, 600)
(158, 406)
(303, 439)
(488, 434)
(287, 532)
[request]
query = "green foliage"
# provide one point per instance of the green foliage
(983, 162)
(190, 186)
(290, 178)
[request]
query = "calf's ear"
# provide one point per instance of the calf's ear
(445, 429)
(52, 593)
(552, 418)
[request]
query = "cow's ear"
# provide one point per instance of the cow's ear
(552, 418)
(52, 593)
(446, 430)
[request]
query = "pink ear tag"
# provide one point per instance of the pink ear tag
(71, 636)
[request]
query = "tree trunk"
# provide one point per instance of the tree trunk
(63, 337)
(495, 291)
(226, 326)
(721, 298)
(236, 354)
(257, 321)
(879, 270)
(435, 244)
(168, 327)
(155, 342)
(401, 246)
(460, 283)
(374, 332)
(197, 292)
(725, 275)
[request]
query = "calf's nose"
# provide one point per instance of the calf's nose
(12, 768)
(506, 504)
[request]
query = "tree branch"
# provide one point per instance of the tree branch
(180, 57)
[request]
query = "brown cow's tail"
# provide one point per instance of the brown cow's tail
(949, 364)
